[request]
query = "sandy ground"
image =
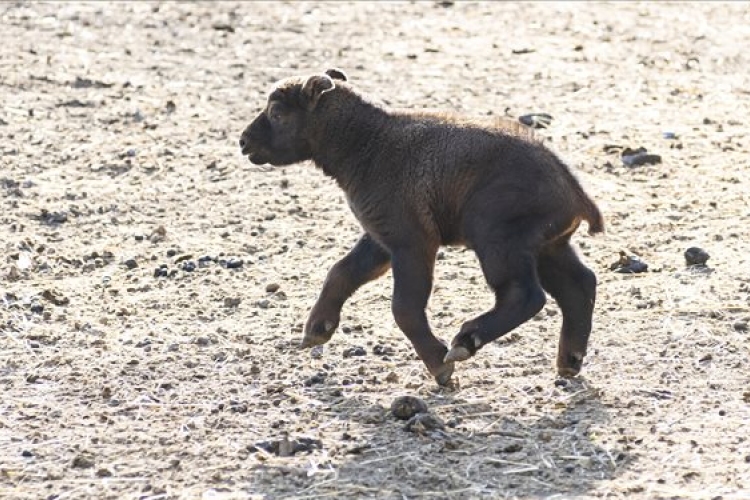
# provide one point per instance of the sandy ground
(119, 126)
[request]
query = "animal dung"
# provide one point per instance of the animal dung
(405, 407)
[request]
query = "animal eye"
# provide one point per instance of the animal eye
(276, 111)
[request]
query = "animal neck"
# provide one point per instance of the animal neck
(347, 128)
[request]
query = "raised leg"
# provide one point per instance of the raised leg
(573, 286)
(412, 285)
(509, 265)
(365, 262)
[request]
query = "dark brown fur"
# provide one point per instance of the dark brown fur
(418, 180)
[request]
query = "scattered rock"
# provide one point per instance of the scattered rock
(232, 301)
(628, 264)
(405, 407)
(55, 297)
(52, 218)
(383, 350)
(536, 120)
(422, 423)
(13, 273)
(272, 287)
(86, 83)
(103, 472)
(223, 27)
(695, 256)
(235, 263)
(27, 454)
(318, 378)
(354, 351)
(638, 157)
(131, 263)
(669, 135)
(285, 447)
(740, 326)
(158, 234)
(83, 461)
(76, 103)
(188, 266)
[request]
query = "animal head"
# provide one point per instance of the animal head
(280, 134)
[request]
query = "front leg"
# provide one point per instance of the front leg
(365, 262)
(412, 285)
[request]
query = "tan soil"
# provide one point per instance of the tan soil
(140, 387)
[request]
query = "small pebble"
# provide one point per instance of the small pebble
(354, 351)
(318, 378)
(232, 301)
(103, 473)
(171, 252)
(188, 266)
(131, 263)
(536, 120)
(235, 263)
(272, 287)
(383, 350)
(638, 157)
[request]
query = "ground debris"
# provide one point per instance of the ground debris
(628, 264)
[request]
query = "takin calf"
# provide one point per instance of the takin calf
(418, 180)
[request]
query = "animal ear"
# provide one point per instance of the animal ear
(316, 86)
(336, 74)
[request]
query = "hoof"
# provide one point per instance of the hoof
(443, 375)
(311, 341)
(457, 353)
(570, 366)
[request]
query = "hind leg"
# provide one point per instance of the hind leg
(412, 285)
(573, 286)
(509, 265)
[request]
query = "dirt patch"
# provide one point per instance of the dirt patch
(155, 284)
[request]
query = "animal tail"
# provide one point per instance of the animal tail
(592, 215)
